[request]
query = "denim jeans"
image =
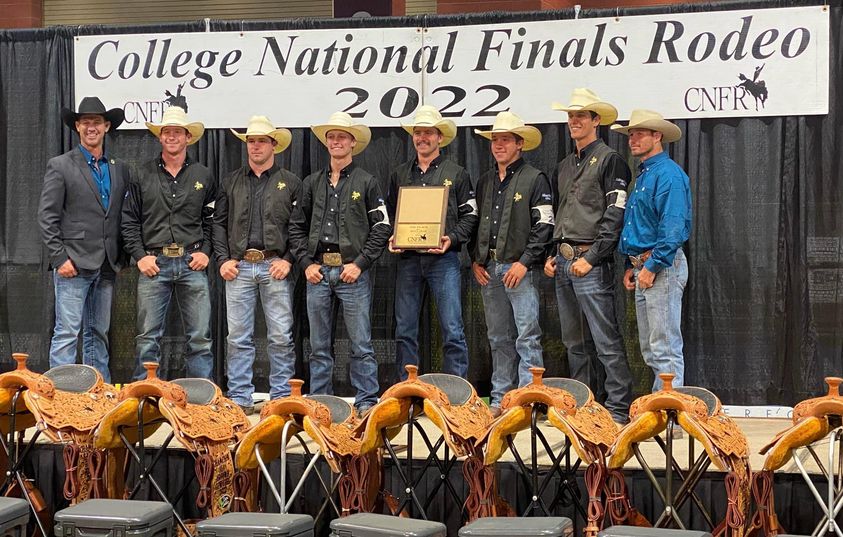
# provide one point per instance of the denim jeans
(190, 288)
(659, 312)
(356, 300)
(590, 331)
(241, 297)
(442, 274)
(512, 325)
(83, 303)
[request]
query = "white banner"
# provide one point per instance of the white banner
(765, 62)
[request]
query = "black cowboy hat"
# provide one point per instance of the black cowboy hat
(92, 105)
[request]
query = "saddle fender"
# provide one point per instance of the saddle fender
(510, 422)
(645, 425)
(780, 450)
(265, 436)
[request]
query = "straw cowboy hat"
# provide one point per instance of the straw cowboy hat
(647, 119)
(341, 121)
(429, 116)
(92, 105)
(175, 116)
(585, 99)
(261, 126)
(509, 122)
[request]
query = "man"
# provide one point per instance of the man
(516, 223)
(252, 248)
(658, 222)
(439, 267)
(79, 216)
(339, 230)
(591, 195)
(167, 218)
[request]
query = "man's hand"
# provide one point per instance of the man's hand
(313, 273)
(198, 261)
(444, 244)
(67, 269)
(480, 273)
(391, 246)
(646, 278)
(148, 266)
(580, 267)
(280, 268)
(550, 267)
(228, 270)
(629, 280)
(350, 273)
(514, 275)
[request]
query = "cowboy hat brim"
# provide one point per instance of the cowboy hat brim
(283, 136)
(608, 113)
(531, 135)
(446, 127)
(670, 132)
(361, 134)
(115, 116)
(195, 129)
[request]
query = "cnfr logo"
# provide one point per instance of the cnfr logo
(139, 112)
(742, 96)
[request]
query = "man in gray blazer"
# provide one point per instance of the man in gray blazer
(79, 215)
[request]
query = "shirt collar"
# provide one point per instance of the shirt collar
(581, 155)
(515, 166)
(655, 159)
(433, 163)
(266, 173)
(89, 158)
(343, 172)
(187, 162)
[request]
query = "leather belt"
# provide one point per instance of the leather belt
(572, 251)
(253, 255)
(639, 260)
(174, 249)
(332, 259)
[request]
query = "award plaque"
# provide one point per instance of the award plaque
(420, 217)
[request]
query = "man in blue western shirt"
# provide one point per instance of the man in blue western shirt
(656, 224)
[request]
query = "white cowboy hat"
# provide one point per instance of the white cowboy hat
(175, 116)
(261, 126)
(647, 119)
(429, 116)
(585, 99)
(509, 122)
(341, 121)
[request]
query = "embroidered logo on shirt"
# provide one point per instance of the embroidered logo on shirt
(198, 186)
(281, 186)
(355, 195)
(593, 161)
(447, 182)
(517, 197)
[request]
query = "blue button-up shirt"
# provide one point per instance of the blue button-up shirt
(658, 214)
(102, 177)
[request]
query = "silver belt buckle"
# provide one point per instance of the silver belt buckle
(173, 250)
(566, 250)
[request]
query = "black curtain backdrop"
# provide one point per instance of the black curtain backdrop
(763, 311)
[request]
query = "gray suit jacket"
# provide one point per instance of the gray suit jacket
(74, 224)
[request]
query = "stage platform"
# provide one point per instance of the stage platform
(795, 505)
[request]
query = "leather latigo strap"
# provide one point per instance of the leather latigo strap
(204, 421)
(700, 414)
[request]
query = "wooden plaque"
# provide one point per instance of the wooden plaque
(420, 217)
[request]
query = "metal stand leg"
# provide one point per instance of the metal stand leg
(833, 501)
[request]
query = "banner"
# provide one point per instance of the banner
(765, 62)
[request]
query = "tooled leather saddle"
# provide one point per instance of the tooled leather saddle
(203, 421)
(699, 412)
(571, 408)
(330, 422)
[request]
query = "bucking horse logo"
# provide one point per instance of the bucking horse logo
(756, 88)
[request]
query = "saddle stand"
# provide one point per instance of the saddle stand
(833, 501)
(568, 494)
(409, 482)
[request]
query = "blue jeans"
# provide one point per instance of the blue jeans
(442, 274)
(512, 324)
(190, 288)
(356, 300)
(659, 313)
(241, 297)
(83, 303)
(590, 331)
